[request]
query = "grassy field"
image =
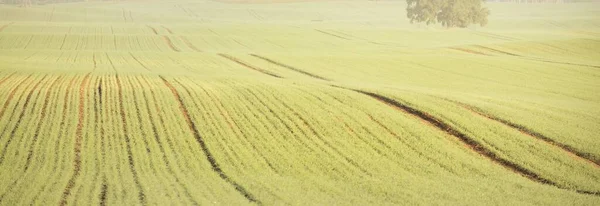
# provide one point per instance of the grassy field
(297, 103)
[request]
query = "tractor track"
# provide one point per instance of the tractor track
(78, 142)
(468, 141)
(213, 162)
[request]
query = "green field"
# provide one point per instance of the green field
(211, 102)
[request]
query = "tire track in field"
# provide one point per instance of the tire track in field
(496, 36)
(534, 58)
(95, 63)
(169, 142)
(233, 59)
(35, 137)
(215, 166)
(20, 118)
(6, 25)
(468, 141)
(98, 111)
(235, 127)
(566, 148)
(468, 51)
(103, 192)
(40, 122)
(136, 179)
(379, 141)
(168, 30)
(168, 163)
(11, 96)
(78, 142)
(189, 44)
(139, 62)
(231, 154)
(170, 44)
(153, 29)
(289, 127)
(328, 144)
(152, 165)
(111, 62)
(289, 67)
(63, 124)
(286, 125)
(330, 34)
(6, 79)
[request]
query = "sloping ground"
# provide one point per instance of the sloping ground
(168, 104)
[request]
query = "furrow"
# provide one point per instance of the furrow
(161, 148)
(215, 166)
(40, 122)
(78, 142)
(62, 131)
(320, 137)
(233, 59)
(20, 118)
(139, 62)
(6, 25)
(153, 29)
(235, 127)
(11, 95)
(469, 141)
(103, 192)
(189, 44)
(170, 44)
(141, 195)
(566, 148)
(330, 34)
(468, 51)
(289, 67)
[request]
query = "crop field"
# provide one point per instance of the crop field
(290, 102)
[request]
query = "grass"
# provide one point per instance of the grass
(312, 102)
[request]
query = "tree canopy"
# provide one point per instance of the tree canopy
(450, 13)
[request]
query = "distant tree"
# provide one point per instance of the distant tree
(450, 13)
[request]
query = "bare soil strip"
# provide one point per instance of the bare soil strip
(579, 155)
(213, 162)
(233, 59)
(189, 44)
(136, 179)
(330, 34)
(289, 67)
(78, 142)
(170, 43)
(469, 141)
